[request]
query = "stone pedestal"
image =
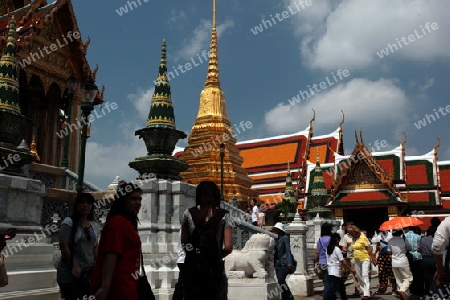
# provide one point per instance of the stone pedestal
(163, 205)
(253, 290)
(300, 283)
(29, 256)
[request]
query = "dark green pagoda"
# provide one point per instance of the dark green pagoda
(288, 206)
(13, 125)
(160, 134)
(318, 194)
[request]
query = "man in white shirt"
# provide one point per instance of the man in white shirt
(254, 212)
(439, 247)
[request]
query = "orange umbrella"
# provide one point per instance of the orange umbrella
(400, 222)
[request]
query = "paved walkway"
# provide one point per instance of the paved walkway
(350, 289)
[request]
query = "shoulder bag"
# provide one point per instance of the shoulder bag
(317, 268)
(144, 288)
(3, 274)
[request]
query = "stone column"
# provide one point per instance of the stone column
(300, 283)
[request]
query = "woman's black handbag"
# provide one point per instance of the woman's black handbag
(144, 288)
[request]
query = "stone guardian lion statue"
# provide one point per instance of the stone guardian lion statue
(254, 260)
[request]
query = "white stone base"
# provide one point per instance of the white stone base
(39, 294)
(253, 291)
(300, 285)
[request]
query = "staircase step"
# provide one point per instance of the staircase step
(38, 294)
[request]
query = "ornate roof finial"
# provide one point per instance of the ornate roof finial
(341, 135)
(289, 168)
(402, 144)
(438, 144)
(360, 135)
(356, 137)
(343, 120)
(34, 151)
(9, 83)
(94, 73)
(161, 110)
(312, 119)
(212, 78)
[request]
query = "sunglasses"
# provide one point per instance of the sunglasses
(87, 233)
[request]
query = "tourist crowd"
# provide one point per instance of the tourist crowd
(409, 261)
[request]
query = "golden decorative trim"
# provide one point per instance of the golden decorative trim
(338, 213)
(363, 186)
(9, 107)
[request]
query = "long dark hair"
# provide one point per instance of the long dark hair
(80, 198)
(118, 206)
(207, 196)
(83, 197)
(326, 229)
(334, 241)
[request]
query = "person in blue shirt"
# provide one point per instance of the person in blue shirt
(284, 261)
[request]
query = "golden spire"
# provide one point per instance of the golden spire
(212, 79)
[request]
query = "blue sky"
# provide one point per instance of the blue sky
(261, 72)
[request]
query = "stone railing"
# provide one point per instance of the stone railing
(71, 179)
(242, 228)
(57, 177)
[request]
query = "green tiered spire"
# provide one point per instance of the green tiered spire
(160, 134)
(318, 185)
(161, 108)
(289, 192)
(319, 194)
(9, 84)
(13, 125)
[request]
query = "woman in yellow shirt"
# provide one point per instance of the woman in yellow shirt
(363, 255)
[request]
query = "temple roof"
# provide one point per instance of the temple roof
(37, 16)
(271, 154)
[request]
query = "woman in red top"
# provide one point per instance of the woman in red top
(119, 251)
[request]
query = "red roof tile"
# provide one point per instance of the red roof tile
(364, 196)
(444, 175)
(416, 174)
(418, 197)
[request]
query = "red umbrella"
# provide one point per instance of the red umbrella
(400, 222)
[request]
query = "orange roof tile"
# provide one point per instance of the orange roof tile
(270, 155)
(271, 199)
(323, 150)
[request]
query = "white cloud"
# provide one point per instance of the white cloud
(349, 34)
(176, 16)
(104, 162)
(363, 102)
(201, 38)
(429, 83)
(141, 101)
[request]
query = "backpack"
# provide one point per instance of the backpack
(203, 261)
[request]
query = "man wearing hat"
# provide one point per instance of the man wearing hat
(283, 260)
